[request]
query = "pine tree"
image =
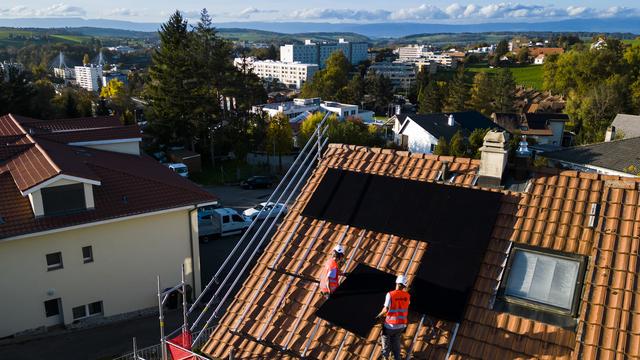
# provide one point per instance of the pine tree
(457, 145)
(458, 93)
(442, 148)
(430, 98)
(481, 98)
(505, 93)
(170, 82)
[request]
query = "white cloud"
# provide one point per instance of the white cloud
(250, 11)
(340, 14)
(190, 14)
(422, 12)
(123, 12)
(56, 10)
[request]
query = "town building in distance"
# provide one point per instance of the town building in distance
(318, 53)
(292, 74)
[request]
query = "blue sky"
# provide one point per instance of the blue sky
(327, 10)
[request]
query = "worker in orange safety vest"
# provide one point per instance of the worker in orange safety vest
(331, 271)
(396, 317)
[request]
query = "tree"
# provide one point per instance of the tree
(476, 140)
(523, 55)
(86, 60)
(171, 78)
(354, 91)
(329, 82)
(481, 97)
(505, 86)
(430, 98)
(380, 89)
(442, 148)
(280, 136)
(114, 88)
(458, 94)
(457, 145)
(502, 48)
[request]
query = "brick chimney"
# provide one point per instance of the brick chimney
(493, 155)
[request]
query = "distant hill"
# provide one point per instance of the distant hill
(373, 30)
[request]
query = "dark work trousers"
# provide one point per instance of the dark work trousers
(391, 342)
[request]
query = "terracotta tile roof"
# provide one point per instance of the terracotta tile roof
(545, 51)
(551, 214)
(129, 184)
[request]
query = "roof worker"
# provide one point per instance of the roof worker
(396, 316)
(331, 272)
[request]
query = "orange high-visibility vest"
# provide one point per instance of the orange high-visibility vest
(398, 312)
(328, 283)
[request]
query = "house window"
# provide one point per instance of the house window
(87, 254)
(79, 312)
(63, 199)
(543, 285)
(52, 307)
(54, 261)
(93, 309)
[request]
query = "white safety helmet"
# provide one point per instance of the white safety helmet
(338, 249)
(401, 279)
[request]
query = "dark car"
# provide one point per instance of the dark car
(256, 182)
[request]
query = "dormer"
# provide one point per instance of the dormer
(62, 195)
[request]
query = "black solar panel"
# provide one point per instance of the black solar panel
(455, 221)
(357, 301)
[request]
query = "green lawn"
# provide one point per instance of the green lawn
(632, 42)
(528, 75)
(72, 38)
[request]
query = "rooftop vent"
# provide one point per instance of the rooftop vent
(523, 147)
(451, 121)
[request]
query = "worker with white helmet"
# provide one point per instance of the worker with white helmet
(331, 271)
(396, 317)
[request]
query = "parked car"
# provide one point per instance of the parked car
(218, 222)
(180, 168)
(262, 210)
(256, 182)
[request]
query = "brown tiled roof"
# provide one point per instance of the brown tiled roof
(68, 124)
(113, 133)
(129, 184)
(551, 214)
(545, 51)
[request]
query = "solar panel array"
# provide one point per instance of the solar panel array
(456, 222)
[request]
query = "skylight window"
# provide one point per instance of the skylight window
(544, 281)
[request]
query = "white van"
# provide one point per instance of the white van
(180, 168)
(221, 222)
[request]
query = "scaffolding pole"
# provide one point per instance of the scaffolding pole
(244, 236)
(215, 313)
(415, 337)
(266, 275)
(185, 319)
(255, 236)
(453, 338)
(296, 271)
(163, 347)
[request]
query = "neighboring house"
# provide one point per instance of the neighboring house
(558, 278)
(420, 133)
(626, 126)
(609, 157)
(546, 129)
(87, 223)
(539, 60)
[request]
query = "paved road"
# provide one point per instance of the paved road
(111, 340)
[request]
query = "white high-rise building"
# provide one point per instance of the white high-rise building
(89, 76)
(292, 74)
(401, 74)
(314, 53)
(412, 52)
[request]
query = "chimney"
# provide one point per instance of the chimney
(493, 157)
(610, 135)
(398, 109)
(451, 121)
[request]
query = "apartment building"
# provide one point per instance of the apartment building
(412, 52)
(87, 222)
(318, 53)
(89, 76)
(401, 74)
(292, 74)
